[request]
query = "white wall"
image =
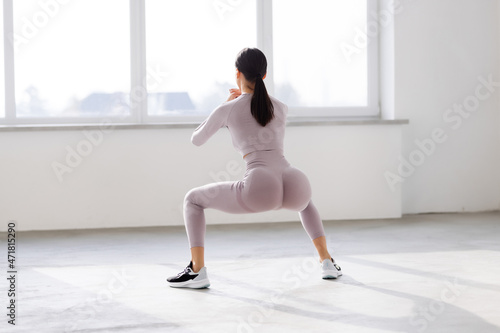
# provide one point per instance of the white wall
(139, 177)
(441, 47)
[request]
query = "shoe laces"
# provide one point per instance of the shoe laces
(185, 271)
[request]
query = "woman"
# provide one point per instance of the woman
(256, 122)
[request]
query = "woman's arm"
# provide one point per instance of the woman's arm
(211, 125)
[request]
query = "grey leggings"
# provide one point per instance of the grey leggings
(270, 182)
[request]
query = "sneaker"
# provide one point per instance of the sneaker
(189, 279)
(330, 269)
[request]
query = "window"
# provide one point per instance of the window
(143, 61)
(196, 51)
(72, 60)
(2, 74)
(310, 69)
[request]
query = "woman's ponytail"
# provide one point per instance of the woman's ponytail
(252, 64)
(261, 105)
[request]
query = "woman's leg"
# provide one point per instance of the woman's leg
(296, 196)
(320, 244)
(198, 258)
(314, 227)
(222, 196)
(260, 191)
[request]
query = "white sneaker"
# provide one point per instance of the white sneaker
(330, 269)
(189, 279)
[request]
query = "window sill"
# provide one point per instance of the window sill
(292, 121)
(333, 121)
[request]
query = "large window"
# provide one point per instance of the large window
(310, 69)
(141, 61)
(72, 59)
(194, 43)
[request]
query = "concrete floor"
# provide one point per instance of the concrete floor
(422, 273)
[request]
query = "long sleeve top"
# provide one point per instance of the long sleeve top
(246, 133)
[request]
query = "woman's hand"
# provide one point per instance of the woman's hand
(234, 93)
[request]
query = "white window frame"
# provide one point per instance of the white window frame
(8, 27)
(138, 73)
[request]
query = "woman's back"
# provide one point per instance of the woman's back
(247, 134)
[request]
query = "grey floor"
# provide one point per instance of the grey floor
(421, 273)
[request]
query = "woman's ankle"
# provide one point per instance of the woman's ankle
(323, 258)
(196, 267)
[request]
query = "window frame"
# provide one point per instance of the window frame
(138, 74)
(8, 24)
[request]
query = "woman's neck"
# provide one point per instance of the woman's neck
(246, 87)
(246, 90)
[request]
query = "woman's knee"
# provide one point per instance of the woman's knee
(189, 197)
(201, 196)
(193, 211)
(192, 197)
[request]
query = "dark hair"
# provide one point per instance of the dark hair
(253, 64)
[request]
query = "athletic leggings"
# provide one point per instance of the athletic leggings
(270, 182)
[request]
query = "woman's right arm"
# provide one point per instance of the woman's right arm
(210, 126)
